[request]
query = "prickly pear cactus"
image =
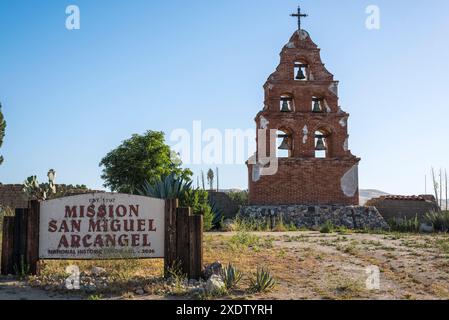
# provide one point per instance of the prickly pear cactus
(36, 191)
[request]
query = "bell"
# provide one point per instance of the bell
(284, 145)
(300, 75)
(317, 106)
(285, 106)
(320, 146)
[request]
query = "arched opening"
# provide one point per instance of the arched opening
(284, 143)
(301, 71)
(318, 104)
(286, 103)
(322, 144)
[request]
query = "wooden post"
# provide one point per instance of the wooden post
(7, 265)
(32, 246)
(20, 239)
(170, 254)
(196, 246)
(182, 239)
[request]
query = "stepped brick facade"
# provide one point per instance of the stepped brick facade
(303, 115)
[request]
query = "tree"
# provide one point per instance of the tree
(210, 179)
(240, 198)
(2, 130)
(202, 180)
(217, 178)
(141, 158)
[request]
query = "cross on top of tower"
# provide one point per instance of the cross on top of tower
(299, 15)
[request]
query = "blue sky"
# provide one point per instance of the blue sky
(69, 97)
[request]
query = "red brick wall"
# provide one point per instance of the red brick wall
(314, 181)
(12, 196)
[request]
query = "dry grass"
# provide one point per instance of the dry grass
(306, 265)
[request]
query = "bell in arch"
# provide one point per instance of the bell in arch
(320, 146)
(285, 106)
(300, 75)
(284, 145)
(317, 106)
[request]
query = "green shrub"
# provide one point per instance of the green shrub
(439, 220)
(262, 281)
(240, 198)
(280, 226)
(327, 227)
(244, 239)
(198, 200)
(247, 224)
(405, 225)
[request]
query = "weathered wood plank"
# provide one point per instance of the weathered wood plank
(20, 239)
(170, 244)
(32, 245)
(182, 241)
(7, 265)
(196, 246)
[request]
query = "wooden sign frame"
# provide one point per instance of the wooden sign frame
(183, 240)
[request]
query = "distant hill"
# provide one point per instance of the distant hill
(367, 194)
(231, 190)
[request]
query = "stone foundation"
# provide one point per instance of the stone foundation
(309, 216)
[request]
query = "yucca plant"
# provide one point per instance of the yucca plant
(262, 281)
(231, 276)
(439, 220)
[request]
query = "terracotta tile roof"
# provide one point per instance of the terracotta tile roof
(404, 198)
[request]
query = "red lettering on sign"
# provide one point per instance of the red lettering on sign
(52, 226)
(70, 212)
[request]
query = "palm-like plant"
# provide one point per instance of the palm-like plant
(210, 179)
(2, 130)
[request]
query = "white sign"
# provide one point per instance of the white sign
(102, 226)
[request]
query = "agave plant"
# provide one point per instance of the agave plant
(169, 187)
(231, 276)
(218, 215)
(262, 281)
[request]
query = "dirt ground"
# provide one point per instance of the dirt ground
(306, 265)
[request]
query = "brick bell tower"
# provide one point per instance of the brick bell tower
(310, 130)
